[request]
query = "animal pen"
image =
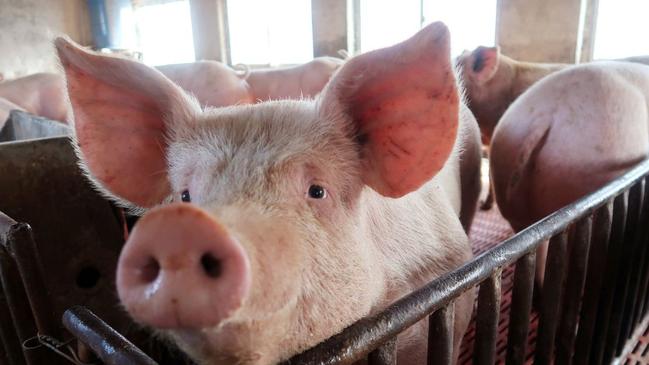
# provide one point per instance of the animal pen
(592, 309)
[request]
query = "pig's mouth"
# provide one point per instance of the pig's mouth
(241, 339)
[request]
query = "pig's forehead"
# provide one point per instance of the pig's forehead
(267, 133)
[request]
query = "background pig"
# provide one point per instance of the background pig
(211, 82)
(493, 81)
(566, 136)
(40, 94)
(305, 80)
(275, 225)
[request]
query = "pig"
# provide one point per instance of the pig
(215, 84)
(567, 136)
(305, 80)
(40, 94)
(493, 81)
(212, 83)
(270, 227)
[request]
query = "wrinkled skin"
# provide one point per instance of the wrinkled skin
(387, 153)
(40, 94)
(566, 136)
(493, 81)
(306, 80)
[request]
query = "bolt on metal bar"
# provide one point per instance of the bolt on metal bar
(487, 317)
(110, 346)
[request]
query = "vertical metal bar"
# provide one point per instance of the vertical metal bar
(579, 252)
(614, 253)
(555, 269)
(639, 311)
(384, 355)
(440, 336)
(110, 346)
(329, 24)
(626, 285)
(594, 275)
(487, 317)
(25, 254)
(10, 344)
(18, 304)
(519, 317)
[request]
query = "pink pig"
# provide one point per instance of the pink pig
(40, 94)
(271, 227)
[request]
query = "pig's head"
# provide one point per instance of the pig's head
(257, 241)
(487, 80)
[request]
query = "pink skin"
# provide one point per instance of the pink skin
(566, 136)
(40, 94)
(154, 268)
(388, 145)
(211, 82)
(305, 80)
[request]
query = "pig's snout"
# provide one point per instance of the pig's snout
(181, 269)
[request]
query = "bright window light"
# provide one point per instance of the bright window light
(386, 22)
(165, 33)
(266, 32)
(622, 29)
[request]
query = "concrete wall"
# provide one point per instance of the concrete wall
(26, 30)
(539, 30)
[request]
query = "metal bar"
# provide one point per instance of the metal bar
(644, 268)
(357, 340)
(625, 288)
(579, 253)
(487, 317)
(594, 276)
(24, 252)
(552, 296)
(110, 346)
(440, 336)
(386, 354)
(519, 315)
(329, 25)
(9, 340)
(614, 253)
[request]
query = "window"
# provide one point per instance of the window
(622, 29)
(385, 22)
(266, 32)
(165, 33)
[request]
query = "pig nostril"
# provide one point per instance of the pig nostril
(150, 270)
(211, 265)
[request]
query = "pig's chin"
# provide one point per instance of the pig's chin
(241, 339)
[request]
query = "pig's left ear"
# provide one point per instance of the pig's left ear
(402, 103)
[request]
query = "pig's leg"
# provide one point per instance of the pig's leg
(470, 162)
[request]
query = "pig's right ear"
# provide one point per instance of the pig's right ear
(122, 110)
(402, 104)
(484, 63)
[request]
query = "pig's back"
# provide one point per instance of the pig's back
(568, 135)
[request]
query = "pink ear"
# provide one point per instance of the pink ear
(403, 103)
(120, 107)
(484, 63)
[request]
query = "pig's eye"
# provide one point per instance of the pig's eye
(317, 192)
(184, 196)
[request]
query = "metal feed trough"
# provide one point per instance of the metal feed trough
(592, 309)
